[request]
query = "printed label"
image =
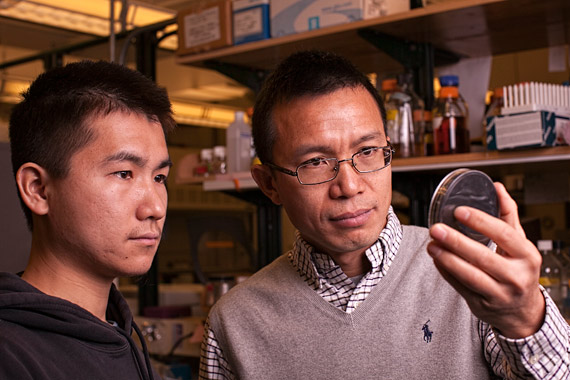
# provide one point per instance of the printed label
(202, 27)
(247, 23)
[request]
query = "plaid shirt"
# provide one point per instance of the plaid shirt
(535, 357)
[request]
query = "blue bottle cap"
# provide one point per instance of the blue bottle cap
(449, 80)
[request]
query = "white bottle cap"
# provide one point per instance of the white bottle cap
(239, 115)
(544, 245)
(220, 151)
(206, 154)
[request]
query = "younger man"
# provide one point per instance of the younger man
(90, 160)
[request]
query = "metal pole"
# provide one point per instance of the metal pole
(112, 38)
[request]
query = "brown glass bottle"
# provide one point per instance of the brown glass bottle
(450, 131)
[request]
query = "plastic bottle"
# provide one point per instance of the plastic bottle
(550, 272)
(494, 110)
(451, 134)
(238, 142)
(389, 87)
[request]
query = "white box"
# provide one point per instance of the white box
(294, 16)
(528, 129)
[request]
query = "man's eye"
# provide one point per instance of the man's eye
(315, 163)
(124, 174)
(368, 151)
(161, 178)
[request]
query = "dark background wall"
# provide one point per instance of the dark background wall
(15, 239)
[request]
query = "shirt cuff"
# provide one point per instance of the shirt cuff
(543, 353)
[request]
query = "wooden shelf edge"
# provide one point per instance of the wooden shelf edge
(242, 181)
(491, 158)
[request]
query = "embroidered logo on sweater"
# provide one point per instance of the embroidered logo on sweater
(427, 332)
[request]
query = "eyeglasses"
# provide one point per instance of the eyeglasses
(321, 170)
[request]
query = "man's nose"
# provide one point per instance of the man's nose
(348, 181)
(153, 203)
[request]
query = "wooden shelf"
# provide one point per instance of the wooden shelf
(560, 154)
(243, 181)
(467, 27)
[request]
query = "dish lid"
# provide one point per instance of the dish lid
(463, 187)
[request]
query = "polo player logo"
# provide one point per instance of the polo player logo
(427, 332)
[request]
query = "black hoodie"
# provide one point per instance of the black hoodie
(45, 337)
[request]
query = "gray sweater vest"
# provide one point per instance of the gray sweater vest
(413, 325)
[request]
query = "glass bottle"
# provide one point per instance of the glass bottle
(550, 271)
(204, 167)
(428, 144)
(417, 123)
(389, 87)
(419, 132)
(450, 121)
(219, 163)
(404, 125)
(453, 81)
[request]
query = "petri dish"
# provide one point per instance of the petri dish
(463, 187)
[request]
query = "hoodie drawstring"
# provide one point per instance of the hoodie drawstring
(145, 351)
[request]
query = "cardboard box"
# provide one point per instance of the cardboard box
(204, 26)
(529, 129)
(294, 16)
(379, 8)
(250, 20)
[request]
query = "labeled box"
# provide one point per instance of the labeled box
(528, 129)
(294, 16)
(250, 20)
(206, 25)
(379, 8)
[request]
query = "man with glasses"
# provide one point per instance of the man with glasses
(358, 297)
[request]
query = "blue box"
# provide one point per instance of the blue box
(294, 16)
(250, 20)
(528, 129)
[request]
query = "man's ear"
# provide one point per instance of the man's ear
(31, 180)
(264, 179)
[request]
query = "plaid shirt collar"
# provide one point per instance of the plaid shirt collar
(317, 268)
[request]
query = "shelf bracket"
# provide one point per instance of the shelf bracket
(417, 57)
(249, 77)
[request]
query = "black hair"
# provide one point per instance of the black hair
(51, 123)
(305, 73)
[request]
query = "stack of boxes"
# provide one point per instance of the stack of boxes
(214, 24)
